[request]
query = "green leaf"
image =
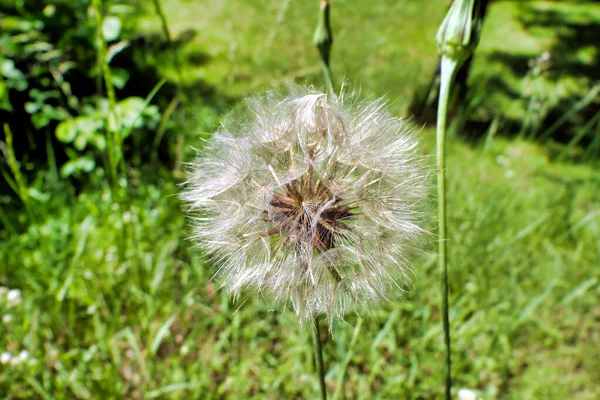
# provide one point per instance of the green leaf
(87, 125)
(15, 78)
(99, 141)
(37, 195)
(66, 131)
(86, 129)
(32, 107)
(40, 120)
(16, 24)
(80, 142)
(121, 9)
(129, 109)
(119, 77)
(81, 164)
(49, 11)
(9, 70)
(55, 113)
(4, 102)
(111, 28)
(146, 109)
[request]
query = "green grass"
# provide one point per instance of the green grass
(117, 303)
(514, 35)
(383, 47)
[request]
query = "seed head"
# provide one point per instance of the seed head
(313, 200)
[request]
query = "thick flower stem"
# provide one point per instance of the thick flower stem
(448, 71)
(323, 39)
(339, 390)
(319, 357)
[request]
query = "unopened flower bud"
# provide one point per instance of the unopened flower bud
(323, 38)
(459, 33)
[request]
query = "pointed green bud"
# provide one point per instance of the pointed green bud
(323, 38)
(458, 35)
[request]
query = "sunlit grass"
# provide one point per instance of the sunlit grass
(384, 47)
(116, 303)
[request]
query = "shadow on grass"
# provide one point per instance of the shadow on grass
(141, 63)
(569, 116)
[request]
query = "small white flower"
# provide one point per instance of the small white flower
(23, 356)
(184, 350)
(468, 394)
(127, 217)
(7, 318)
(13, 297)
(111, 254)
(52, 352)
(5, 358)
(315, 200)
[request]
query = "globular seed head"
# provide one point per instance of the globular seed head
(313, 199)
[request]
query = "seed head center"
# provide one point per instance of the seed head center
(306, 212)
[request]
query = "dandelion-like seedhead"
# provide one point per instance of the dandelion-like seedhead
(313, 199)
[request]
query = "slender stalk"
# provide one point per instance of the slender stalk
(456, 40)
(339, 390)
(113, 135)
(448, 71)
(180, 94)
(167, 33)
(319, 357)
(327, 74)
(323, 39)
(162, 127)
(13, 164)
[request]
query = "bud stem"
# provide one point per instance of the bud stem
(449, 67)
(323, 39)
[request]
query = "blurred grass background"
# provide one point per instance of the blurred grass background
(102, 296)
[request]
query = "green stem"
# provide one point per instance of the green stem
(319, 357)
(180, 94)
(339, 390)
(167, 33)
(114, 134)
(13, 164)
(328, 76)
(448, 71)
(323, 39)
